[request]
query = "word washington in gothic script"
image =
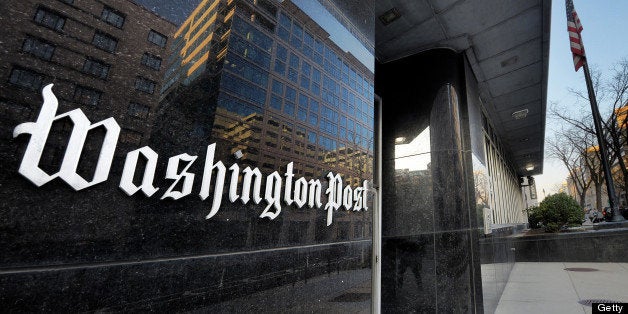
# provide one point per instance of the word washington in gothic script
(295, 191)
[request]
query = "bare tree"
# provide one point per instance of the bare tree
(612, 95)
(562, 148)
(591, 158)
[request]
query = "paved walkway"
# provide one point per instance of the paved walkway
(549, 288)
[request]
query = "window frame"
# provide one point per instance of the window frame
(40, 20)
(108, 11)
(110, 39)
(151, 35)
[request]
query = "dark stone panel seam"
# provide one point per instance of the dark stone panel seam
(50, 268)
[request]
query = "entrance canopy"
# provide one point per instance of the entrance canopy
(506, 43)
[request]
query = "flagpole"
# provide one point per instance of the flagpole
(610, 187)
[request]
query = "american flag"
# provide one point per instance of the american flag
(575, 28)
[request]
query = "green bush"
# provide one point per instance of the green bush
(534, 217)
(559, 210)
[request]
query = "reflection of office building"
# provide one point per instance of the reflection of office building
(267, 80)
(103, 56)
(264, 79)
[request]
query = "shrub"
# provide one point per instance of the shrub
(559, 210)
(534, 217)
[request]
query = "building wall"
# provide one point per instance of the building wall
(443, 167)
(71, 45)
(167, 246)
(430, 259)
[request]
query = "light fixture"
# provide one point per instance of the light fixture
(530, 167)
(389, 16)
(400, 140)
(520, 114)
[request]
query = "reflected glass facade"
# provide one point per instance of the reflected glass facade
(240, 178)
(242, 156)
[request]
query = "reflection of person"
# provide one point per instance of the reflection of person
(594, 215)
(409, 255)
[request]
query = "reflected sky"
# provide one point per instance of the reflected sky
(337, 32)
(177, 11)
(414, 155)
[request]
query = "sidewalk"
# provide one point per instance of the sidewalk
(549, 288)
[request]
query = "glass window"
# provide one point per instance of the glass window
(275, 102)
(267, 6)
(277, 87)
(315, 89)
(157, 38)
(302, 114)
(145, 85)
(280, 67)
(288, 108)
(138, 110)
(112, 17)
(151, 61)
(287, 128)
(303, 100)
(252, 34)
(26, 78)
(306, 68)
(344, 106)
(300, 132)
(313, 105)
(313, 119)
(96, 68)
(295, 42)
(50, 19)
(311, 137)
(308, 39)
(294, 61)
(247, 50)
(282, 52)
(319, 46)
(297, 30)
(285, 20)
(305, 82)
(316, 75)
(291, 94)
(318, 59)
(283, 33)
(247, 70)
(38, 48)
(104, 41)
(237, 106)
(308, 52)
(293, 75)
(86, 95)
(245, 89)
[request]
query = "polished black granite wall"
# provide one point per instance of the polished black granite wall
(599, 246)
(430, 254)
(497, 254)
(99, 249)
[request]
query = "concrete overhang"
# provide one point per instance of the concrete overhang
(507, 45)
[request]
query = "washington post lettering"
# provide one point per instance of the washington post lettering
(298, 191)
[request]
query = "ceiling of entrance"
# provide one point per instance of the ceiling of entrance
(505, 41)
